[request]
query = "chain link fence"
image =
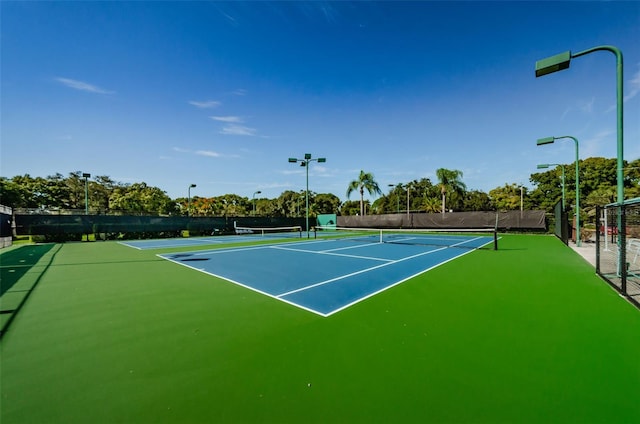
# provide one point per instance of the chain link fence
(618, 247)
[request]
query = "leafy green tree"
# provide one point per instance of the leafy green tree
(366, 181)
(506, 198)
(476, 200)
(326, 203)
(431, 204)
(450, 183)
(350, 207)
(13, 194)
(140, 198)
(288, 204)
(265, 207)
(100, 190)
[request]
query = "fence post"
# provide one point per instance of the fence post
(622, 240)
(599, 225)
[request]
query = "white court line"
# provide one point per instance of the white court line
(232, 249)
(244, 286)
(359, 272)
(330, 252)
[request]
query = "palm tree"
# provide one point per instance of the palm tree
(431, 204)
(449, 181)
(364, 182)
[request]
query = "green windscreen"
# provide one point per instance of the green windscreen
(327, 220)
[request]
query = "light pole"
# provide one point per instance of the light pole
(408, 191)
(189, 198)
(521, 199)
(397, 197)
(550, 140)
(86, 193)
(254, 201)
(561, 61)
(547, 165)
(305, 162)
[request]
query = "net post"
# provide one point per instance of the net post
(495, 239)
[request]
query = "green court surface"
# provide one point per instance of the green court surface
(525, 334)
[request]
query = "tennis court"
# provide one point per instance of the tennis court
(327, 275)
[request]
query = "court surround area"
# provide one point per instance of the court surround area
(109, 333)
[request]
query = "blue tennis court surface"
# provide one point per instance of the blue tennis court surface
(204, 241)
(322, 276)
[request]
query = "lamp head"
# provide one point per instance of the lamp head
(85, 175)
(546, 140)
(544, 166)
(307, 156)
(293, 160)
(553, 64)
(322, 160)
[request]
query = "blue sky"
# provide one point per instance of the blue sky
(221, 94)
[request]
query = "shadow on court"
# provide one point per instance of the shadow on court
(20, 271)
(17, 262)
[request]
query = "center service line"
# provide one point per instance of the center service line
(342, 277)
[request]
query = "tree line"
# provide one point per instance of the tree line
(598, 182)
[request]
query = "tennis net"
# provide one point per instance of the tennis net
(275, 232)
(473, 238)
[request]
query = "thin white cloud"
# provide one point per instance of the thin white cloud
(208, 153)
(597, 145)
(82, 86)
(206, 104)
(238, 130)
(588, 106)
(240, 92)
(293, 172)
(234, 119)
(634, 87)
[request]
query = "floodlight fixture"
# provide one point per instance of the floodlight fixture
(189, 197)
(549, 140)
(545, 140)
(553, 64)
(254, 201)
(548, 165)
(86, 177)
(305, 163)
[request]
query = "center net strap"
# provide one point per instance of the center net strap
(468, 238)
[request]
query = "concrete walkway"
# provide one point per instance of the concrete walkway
(587, 250)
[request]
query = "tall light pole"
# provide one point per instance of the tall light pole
(547, 165)
(397, 197)
(562, 61)
(550, 140)
(305, 162)
(408, 191)
(521, 199)
(86, 193)
(189, 198)
(254, 201)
